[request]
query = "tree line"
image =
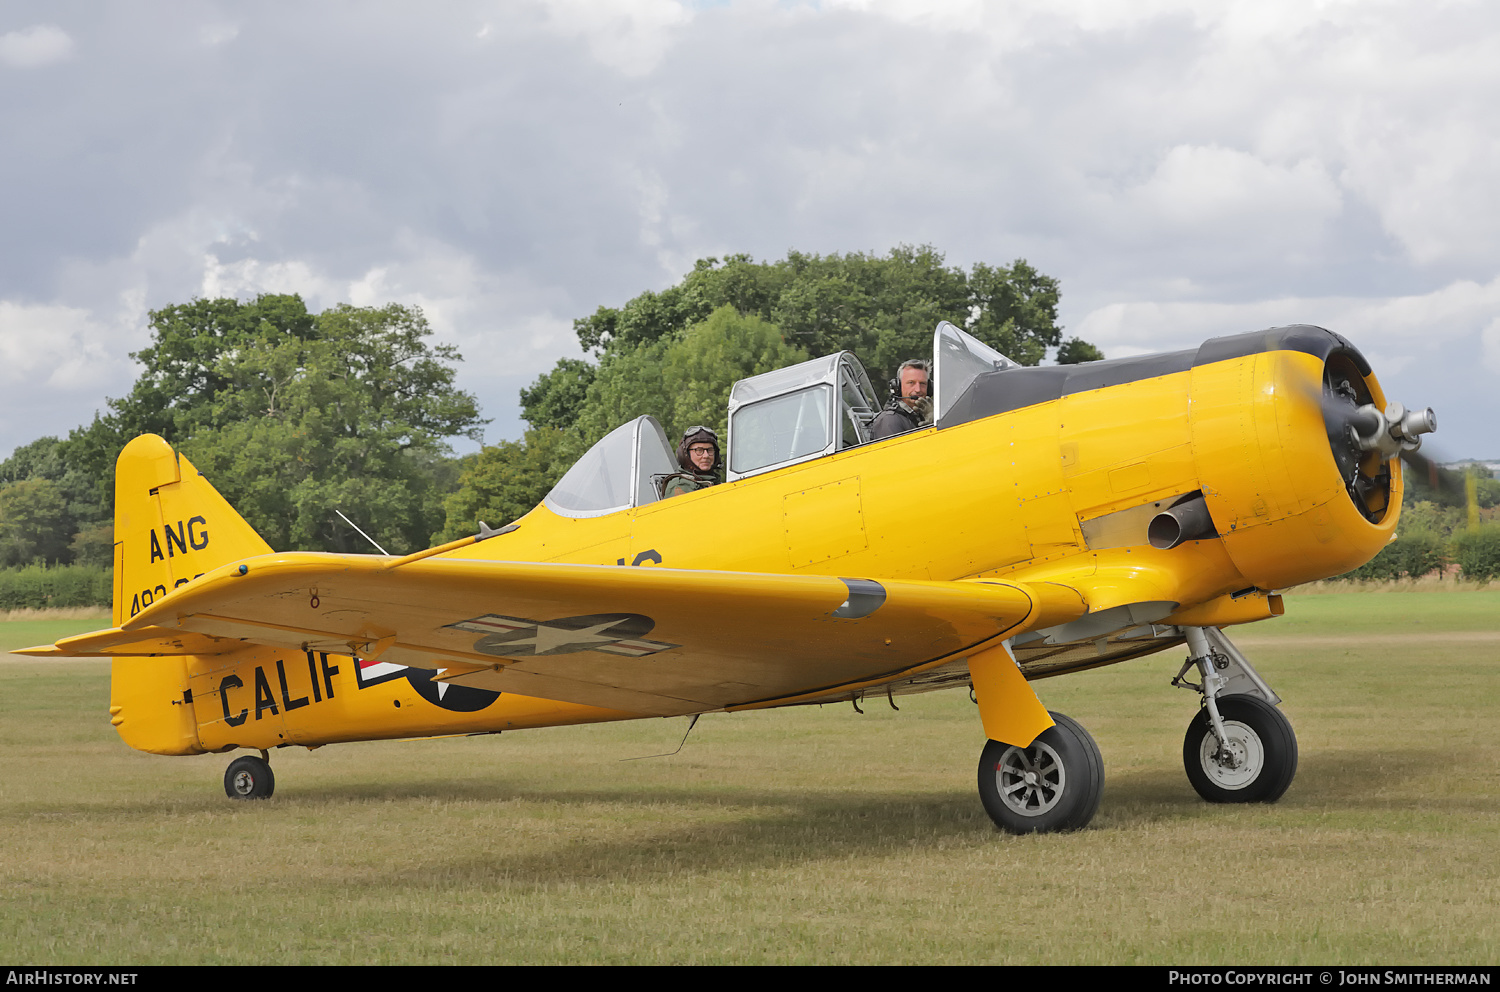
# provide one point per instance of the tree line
(295, 415)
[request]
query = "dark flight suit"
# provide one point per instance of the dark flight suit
(896, 418)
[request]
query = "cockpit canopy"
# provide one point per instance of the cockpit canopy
(776, 419)
(793, 414)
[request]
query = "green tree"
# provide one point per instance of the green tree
(628, 384)
(193, 350)
(1076, 351)
(349, 419)
(556, 398)
(711, 357)
(293, 415)
(1487, 493)
(34, 523)
(79, 510)
(1429, 517)
(1017, 310)
(682, 380)
(41, 459)
(196, 349)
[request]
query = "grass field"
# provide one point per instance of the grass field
(797, 836)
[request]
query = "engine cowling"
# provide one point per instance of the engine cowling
(1293, 497)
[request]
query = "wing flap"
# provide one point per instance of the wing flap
(687, 640)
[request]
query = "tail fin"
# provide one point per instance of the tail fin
(170, 526)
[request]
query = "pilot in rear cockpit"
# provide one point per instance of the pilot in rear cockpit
(910, 406)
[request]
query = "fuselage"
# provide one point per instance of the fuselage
(1059, 489)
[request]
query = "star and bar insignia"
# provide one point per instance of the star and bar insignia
(612, 633)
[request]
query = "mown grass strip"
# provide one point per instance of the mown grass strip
(793, 836)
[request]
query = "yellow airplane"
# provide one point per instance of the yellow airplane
(1050, 520)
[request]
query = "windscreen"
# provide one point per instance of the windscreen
(959, 359)
(601, 481)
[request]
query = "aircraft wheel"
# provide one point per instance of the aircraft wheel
(1262, 752)
(1053, 785)
(249, 778)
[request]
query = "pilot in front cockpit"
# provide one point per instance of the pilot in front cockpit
(698, 456)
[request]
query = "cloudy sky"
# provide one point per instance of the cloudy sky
(1185, 169)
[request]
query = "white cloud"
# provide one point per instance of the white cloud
(58, 347)
(630, 36)
(35, 46)
(248, 277)
(1210, 188)
(1403, 327)
(1491, 338)
(216, 34)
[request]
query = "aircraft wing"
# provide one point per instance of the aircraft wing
(649, 640)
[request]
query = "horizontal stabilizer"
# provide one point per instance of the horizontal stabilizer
(148, 642)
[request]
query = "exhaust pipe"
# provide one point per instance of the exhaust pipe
(1187, 521)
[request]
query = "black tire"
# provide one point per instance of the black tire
(249, 778)
(1067, 779)
(1263, 749)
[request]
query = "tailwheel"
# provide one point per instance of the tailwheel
(249, 778)
(1254, 764)
(1052, 785)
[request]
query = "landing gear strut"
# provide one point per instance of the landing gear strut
(1052, 785)
(1239, 748)
(249, 778)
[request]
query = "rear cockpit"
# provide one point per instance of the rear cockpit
(799, 413)
(776, 419)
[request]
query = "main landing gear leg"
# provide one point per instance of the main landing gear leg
(249, 778)
(1239, 748)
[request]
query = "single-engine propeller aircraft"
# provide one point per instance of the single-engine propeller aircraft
(1050, 520)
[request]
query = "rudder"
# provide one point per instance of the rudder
(171, 526)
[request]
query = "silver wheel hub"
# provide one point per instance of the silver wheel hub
(1030, 780)
(1238, 762)
(244, 783)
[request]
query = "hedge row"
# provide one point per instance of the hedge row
(1476, 552)
(41, 586)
